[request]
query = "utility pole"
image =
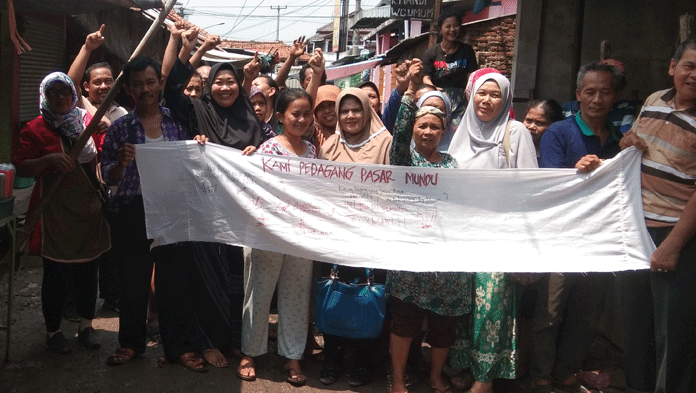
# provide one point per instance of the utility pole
(278, 21)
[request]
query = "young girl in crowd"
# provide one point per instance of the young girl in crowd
(447, 64)
(487, 138)
(266, 270)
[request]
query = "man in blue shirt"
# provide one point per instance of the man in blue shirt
(581, 142)
(622, 114)
(589, 136)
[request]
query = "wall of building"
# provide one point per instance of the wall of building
(556, 37)
(493, 41)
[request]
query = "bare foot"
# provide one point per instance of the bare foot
(215, 358)
(246, 370)
(482, 387)
(437, 385)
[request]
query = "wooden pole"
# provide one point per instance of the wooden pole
(32, 218)
(433, 29)
(604, 50)
(686, 27)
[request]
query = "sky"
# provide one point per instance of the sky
(256, 20)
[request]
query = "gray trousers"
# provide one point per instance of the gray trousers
(564, 324)
(660, 322)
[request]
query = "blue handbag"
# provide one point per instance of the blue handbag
(349, 310)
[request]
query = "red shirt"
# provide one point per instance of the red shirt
(36, 140)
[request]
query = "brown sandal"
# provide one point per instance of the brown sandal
(295, 377)
(120, 356)
(246, 370)
(193, 362)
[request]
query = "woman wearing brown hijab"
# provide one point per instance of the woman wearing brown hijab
(325, 117)
(361, 135)
(361, 138)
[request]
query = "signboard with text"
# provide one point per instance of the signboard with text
(413, 9)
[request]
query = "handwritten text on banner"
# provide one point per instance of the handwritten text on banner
(405, 218)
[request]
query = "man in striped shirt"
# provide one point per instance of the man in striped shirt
(660, 305)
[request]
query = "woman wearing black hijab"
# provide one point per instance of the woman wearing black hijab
(225, 115)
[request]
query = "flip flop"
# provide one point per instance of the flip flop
(249, 365)
(193, 362)
(295, 378)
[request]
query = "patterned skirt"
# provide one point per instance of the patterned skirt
(486, 339)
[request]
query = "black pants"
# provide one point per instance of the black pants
(132, 253)
(53, 290)
(639, 330)
(334, 347)
(174, 299)
(564, 323)
(669, 301)
(108, 277)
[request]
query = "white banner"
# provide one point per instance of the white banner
(398, 218)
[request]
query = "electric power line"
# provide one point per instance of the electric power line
(293, 17)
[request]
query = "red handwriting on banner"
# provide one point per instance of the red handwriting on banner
(328, 171)
(376, 176)
(272, 164)
(357, 205)
(421, 179)
(428, 218)
(378, 221)
(305, 230)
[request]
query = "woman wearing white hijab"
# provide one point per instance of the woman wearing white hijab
(487, 138)
(478, 142)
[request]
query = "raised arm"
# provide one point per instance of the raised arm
(211, 41)
(400, 151)
(174, 95)
(298, 49)
(170, 53)
(251, 71)
(79, 65)
(189, 39)
(391, 108)
(316, 62)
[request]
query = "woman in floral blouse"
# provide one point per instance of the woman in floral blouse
(439, 297)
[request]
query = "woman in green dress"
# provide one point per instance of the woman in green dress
(441, 298)
(488, 138)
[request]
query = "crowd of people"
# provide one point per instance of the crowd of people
(444, 112)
